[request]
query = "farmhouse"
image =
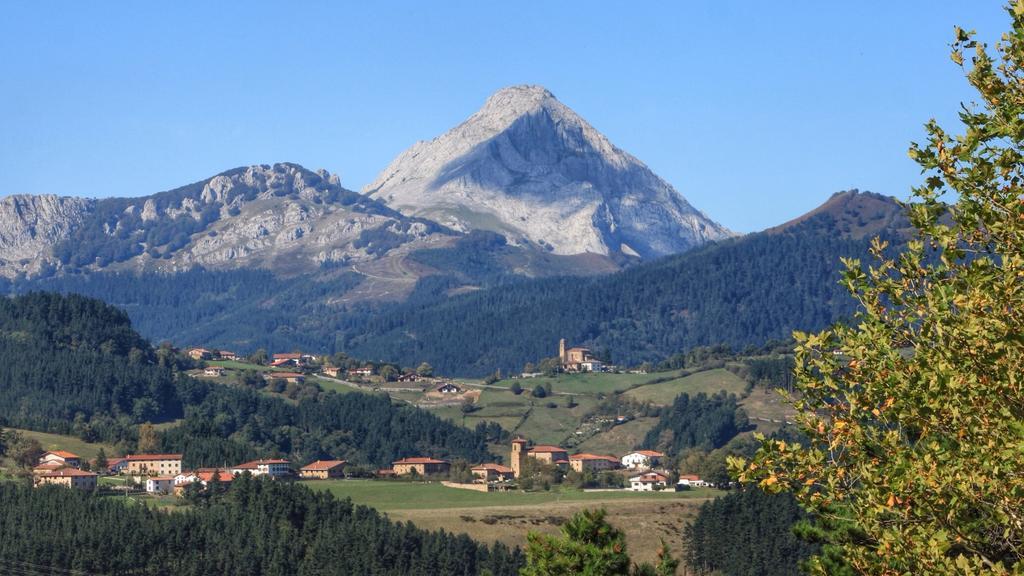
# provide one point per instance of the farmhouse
(492, 473)
(422, 466)
(543, 453)
(592, 462)
(323, 469)
(160, 485)
(69, 478)
(213, 371)
(447, 388)
(116, 465)
(364, 371)
(271, 468)
(332, 371)
(648, 482)
(153, 464)
(290, 377)
(410, 377)
(47, 468)
(226, 355)
(200, 354)
(290, 359)
(642, 459)
(61, 457)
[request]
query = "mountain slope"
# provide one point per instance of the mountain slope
(530, 168)
(741, 292)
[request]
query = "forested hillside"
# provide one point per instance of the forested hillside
(74, 365)
(739, 292)
(257, 528)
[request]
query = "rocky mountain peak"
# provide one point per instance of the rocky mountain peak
(527, 166)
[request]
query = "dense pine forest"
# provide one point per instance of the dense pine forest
(257, 528)
(74, 365)
(747, 532)
(739, 292)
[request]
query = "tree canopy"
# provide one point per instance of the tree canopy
(915, 412)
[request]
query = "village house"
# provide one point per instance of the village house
(323, 470)
(411, 377)
(290, 377)
(200, 354)
(642, 459)
(422, 466)
(116, 465)
(492, 473)
(289, 359)
(226, 355)
(364, 371)
(332, 371)
(542, 453)
(648, 482)
(204, 476)
(447, 388)
(271, 468)
(690, 481)
(592, 462)
(213, 371)
(61, 457)
(153, 464)
(160, 485)
(46, 468)
(69, 478)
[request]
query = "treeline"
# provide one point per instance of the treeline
(741, 292)
(257, 528)
(700, 421)
(747, 532)
(74, 365)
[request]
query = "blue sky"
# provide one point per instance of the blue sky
(754, 111)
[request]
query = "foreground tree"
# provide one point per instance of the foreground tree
(915, 415)
(589, 546)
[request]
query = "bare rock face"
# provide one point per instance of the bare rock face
(31, 225)
(280, 217)
(527, 166)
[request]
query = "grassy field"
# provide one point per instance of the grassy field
(234, 365)
(620, 439)
(84, 449)
(588, 383)
(646, 518)
(709, 382)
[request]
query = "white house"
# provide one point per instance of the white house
(691, 481)
(647, 482)
(160, 484)
(271, 468)
(642, 459)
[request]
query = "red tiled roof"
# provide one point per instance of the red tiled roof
(649, 453)
(592, 457)
(321, 465)
(691, 477)
(62, 453)
(419, 460)
(649, 477)
(279, 362)
(49, 466)
(546, 448)
(147, 457)
(221, 475)
(496, 467)
(68, 472)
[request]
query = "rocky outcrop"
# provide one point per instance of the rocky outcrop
(527, 166)
(31, 225)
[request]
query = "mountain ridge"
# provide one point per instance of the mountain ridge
(527, 166)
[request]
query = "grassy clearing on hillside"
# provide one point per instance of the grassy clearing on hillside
(70, 443)
(234, 365)
(588, 383)
(708, 381)
(390, 496)
(620, 439)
